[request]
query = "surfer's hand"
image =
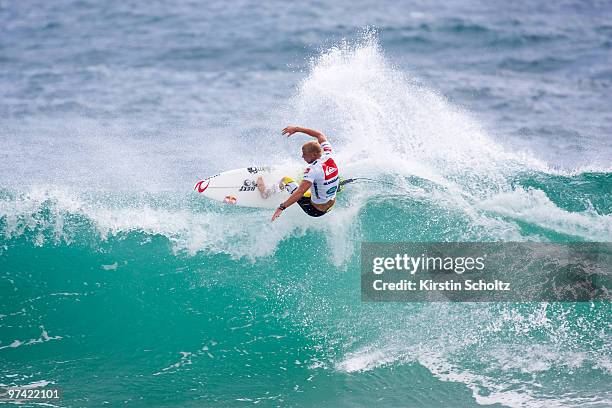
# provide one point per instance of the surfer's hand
(289, 130)
(277, 214)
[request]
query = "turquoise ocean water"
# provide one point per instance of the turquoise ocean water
(123, 287)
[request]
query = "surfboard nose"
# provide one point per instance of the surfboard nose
(201, 186)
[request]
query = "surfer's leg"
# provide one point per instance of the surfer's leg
(306, 205)
(261, 186)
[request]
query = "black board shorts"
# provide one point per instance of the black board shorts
(309, 209)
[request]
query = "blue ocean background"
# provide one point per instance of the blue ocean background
(487, 121)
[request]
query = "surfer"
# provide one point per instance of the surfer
(316, 193)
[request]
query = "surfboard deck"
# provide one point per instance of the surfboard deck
(239, 187)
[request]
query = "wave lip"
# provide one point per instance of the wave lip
(534, 207)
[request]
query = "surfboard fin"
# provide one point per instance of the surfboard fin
(343, 182)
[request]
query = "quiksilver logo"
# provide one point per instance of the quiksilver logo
(329, 170)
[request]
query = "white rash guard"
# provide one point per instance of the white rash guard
(324, 176)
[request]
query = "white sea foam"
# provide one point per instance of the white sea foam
(533, 206)
(44, 337)
(494, 354)
(384, 126)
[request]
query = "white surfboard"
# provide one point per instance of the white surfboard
(239, 187)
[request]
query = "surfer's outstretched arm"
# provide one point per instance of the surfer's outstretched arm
(289, 130)
(293, 198)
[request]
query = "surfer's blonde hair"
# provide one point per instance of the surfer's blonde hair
(312, 147)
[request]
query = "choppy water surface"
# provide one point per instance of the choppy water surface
(121, 285)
